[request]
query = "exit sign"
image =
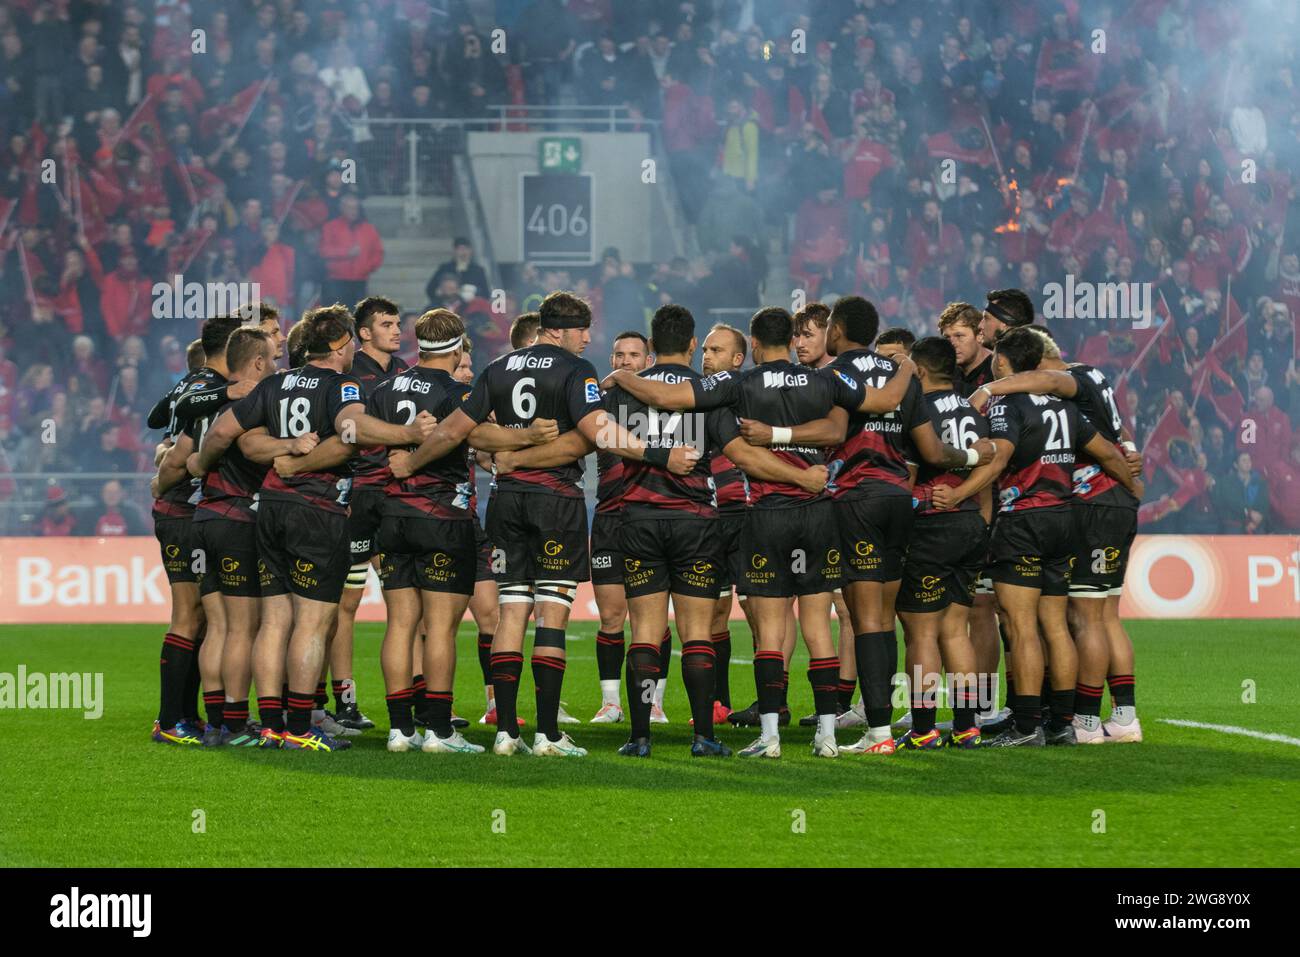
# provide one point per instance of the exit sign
(559, 154)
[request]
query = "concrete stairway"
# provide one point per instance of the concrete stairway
(412, 251)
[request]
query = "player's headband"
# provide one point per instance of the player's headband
(565, 322)
(1002, 314)
(342, 341)
(438, 348)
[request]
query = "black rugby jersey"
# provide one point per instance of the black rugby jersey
(370, 466)
(444, 487)
(303, 400)
(957, 424)
(653, 492)
(176, 501)
(230, 489)
(778, 393)
(968, 382)
(877, 447)
(1095, 398)
(539, 382)
(1045, 431)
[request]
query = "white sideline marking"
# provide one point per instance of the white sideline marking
(734, 661)
(1233, 729)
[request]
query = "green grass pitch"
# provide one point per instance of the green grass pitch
(98, 793)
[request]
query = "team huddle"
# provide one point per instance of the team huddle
(970, 485)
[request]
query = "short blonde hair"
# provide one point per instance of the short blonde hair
(960, 313)
(439, 325)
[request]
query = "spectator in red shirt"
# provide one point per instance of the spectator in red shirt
(1284, 491)
(1270, 437)
(352, 251)
(117, 517)
(126, 298)
(274, 271)
(57, 519)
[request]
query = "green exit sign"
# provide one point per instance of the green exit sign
(559, 154)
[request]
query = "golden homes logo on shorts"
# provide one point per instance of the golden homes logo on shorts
(630, 565)
(755, 574)
(553, 555)
(229, 565)
(701, 575)
(441, 560)
(302, 576)
(1030, 565)
(832, 556)
(173, 551)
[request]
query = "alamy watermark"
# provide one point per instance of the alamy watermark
(199, 300)
(1125, 301)
(77, 691)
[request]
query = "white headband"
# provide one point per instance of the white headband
(446, 345)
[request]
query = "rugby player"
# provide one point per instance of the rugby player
(178, 721)
(789, 523)
(1106, 524)
(810, 325)
(379, 335)
(537, 517)
(1036, 438)
(302, 518)
(872, 493)
(959, 323)
(430, 545)
(631, 351)
(524, 329)
(944, 558)
(724, 350)
(893, 343)
(1005, 309)
(223, 531)
(483, 603)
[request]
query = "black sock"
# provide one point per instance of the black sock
(345, 693)
(322, 696)
(877, 656)
(214, 704)
(438, 710)
(284, 696)
(418, 702)
(1122, 692)
(506, 668)
(1087, 700)
(697, 674)
(270, 712)
(193, 685)
(1029, 713)
(768, 669)
(823, 675)
(965, 704)
(666, 654)
(1062, 709)
(642, 673)
(844, 693)
(923, 711)
(785, 686)
(235, 716)
(173, 672)
(399, 711)
(1011, 692)
(722, 668)
(548, 678)
(485, 656)
(300, 707)
(609, 655)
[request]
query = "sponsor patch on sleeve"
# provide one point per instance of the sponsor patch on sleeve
(593, 391)
(848, 380)
(712, 381)
(351, 392)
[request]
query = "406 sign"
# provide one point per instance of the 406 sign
(556, 218)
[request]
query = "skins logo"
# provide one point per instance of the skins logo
(758, 561)
(631, 564)
(173, 551)
(864, 548)
(303, 566)
(832, 556)
(229, 565)
(552, 547)
(441, 560)
(929, 581)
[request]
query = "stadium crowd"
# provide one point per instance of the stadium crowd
(815, 132)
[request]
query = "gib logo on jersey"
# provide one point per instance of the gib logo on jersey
(784, 380)
(198, 300)
(516, 362)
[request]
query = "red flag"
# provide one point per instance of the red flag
(236, 112)
(1232, 330)
(1167, 428)
(141, 128)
